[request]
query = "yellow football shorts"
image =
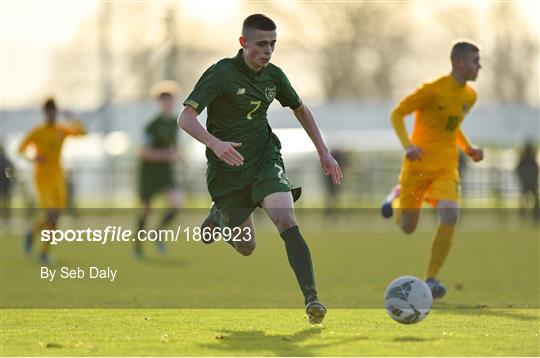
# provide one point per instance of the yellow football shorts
(51, 190)
(418, 186)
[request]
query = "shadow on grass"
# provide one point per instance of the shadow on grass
(413, 339)
(252, 342)
(486, 311)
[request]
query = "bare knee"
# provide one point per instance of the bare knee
(283, 218)
(448, 212)
(176, 200)
(449, 216)
(285, 222)
(408, 221)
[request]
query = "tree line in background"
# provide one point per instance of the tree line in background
(357, 49)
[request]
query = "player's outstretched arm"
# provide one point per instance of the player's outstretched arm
(187, 120)
(476, 154)
(329, 165)
(72, 126)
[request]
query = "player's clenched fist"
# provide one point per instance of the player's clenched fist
(226, 152)
(413, 153)
(476, 154)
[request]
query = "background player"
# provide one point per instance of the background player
(47, 140)
(429, 168)
(7, 174)
(245, 168)
(157, 157)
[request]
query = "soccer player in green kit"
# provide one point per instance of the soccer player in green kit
(245, 168)
(157, 156)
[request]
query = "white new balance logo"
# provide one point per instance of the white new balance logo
(241, 91)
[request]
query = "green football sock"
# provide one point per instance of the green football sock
(141, 223)
(300, 260)
(168, 217)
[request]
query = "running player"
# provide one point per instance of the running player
(245, 168)
(47, 140)
(157, 157)
(429, 170)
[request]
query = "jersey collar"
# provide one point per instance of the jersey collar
(239, 58)
(455, 85)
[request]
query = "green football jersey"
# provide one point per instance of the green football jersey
(237, 100)
(161, 133)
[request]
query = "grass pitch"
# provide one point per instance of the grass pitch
(204, 300)
(260, 332)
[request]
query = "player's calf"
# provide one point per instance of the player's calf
(168, 217)
(245, 242)
(209, 223)
(245, 245)
(141, 224)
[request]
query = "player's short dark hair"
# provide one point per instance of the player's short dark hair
(257, 22)
(165, 95)
(461, 48)
(49, 104)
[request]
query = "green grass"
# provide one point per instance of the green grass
(202, 300)
(236, 332)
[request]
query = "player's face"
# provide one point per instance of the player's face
(50, 114)
(470, 65)
(166, 103)
(258, 47)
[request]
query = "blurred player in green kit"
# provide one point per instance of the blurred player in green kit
(157, 157)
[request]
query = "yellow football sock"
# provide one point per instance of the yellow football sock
(439, 249)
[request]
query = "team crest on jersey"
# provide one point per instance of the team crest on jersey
(270, 92)
(466, 108)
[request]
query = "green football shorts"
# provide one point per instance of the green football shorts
(154, 179)
(237, 195)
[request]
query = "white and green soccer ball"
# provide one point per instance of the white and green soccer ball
(408, 300)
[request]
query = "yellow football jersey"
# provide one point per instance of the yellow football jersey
(439, 108)
(47, 139)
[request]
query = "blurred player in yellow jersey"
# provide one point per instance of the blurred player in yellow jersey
(429, 170)
(47, 140)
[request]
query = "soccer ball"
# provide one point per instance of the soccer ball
(408, 300)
